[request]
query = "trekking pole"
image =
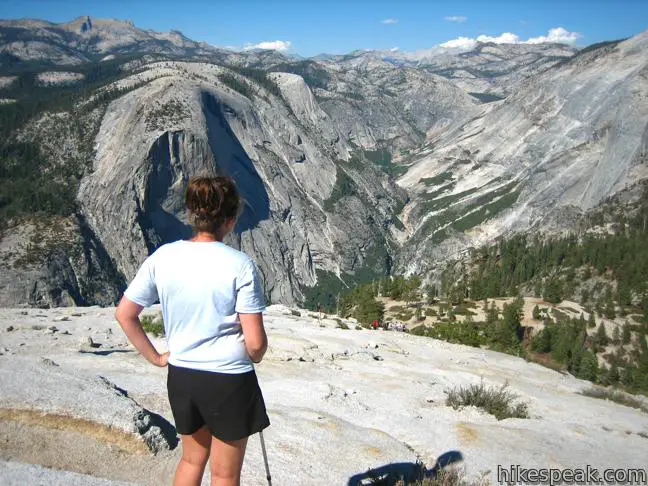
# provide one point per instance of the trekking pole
(265, 458)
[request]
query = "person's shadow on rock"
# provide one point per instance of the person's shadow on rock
(404, 472)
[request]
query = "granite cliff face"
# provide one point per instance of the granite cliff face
(283, 150)
(560, 145)
(379, 105)
(348, 164)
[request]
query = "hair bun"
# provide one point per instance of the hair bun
(212, 201)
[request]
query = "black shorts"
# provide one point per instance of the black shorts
(231, 405)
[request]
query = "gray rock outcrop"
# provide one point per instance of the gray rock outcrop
(67, 397)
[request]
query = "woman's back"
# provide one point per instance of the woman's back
(202, 286)
(211, 303)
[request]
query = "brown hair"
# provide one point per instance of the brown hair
(211, 202)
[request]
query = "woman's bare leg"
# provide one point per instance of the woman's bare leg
(195, 453)
(226, 461)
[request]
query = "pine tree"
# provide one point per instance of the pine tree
(591, 322)
(604, 375)
(627, 377)
(574, 359)
(542, 341)
(536, 313)
(397, 287)
(368, 309)
(641, 375)
(609, 310)
(626, 336)
(386, 287)
(601, 336)
(553, 291)
(613, 375)
(411, 289)
(589, 369)
(493, 314)
(616, 335)
(510, 327)
(430, 293)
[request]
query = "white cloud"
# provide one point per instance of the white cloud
(393, 49)
(461, 42)
(558, 34)
(389, 21)
(277, 45)
(505, 38)
(456, 18)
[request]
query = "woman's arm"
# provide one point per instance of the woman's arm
(256, 341)
(127, 314)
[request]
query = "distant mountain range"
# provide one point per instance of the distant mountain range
(86, 39)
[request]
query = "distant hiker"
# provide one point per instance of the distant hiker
(211, 302)
(375, 324)
(396, 326)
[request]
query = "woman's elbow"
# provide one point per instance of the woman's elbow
(257, 349)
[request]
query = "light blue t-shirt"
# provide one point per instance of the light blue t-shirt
(202, 287)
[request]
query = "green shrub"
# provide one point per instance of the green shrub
(419, 330)
(463, 309)
(341, 325)
(616, 396)
(495, 401)
(449, 475)
(559, 315)
(153, 324)
(452, 476)
(469, 333)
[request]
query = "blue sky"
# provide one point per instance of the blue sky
(334, 26)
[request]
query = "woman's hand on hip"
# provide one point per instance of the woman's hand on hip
(162, 360)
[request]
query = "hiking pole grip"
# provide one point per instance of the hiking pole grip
(265, 458)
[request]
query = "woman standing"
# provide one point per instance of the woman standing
(211, 303)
